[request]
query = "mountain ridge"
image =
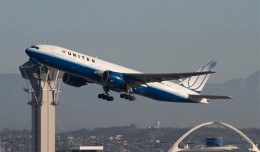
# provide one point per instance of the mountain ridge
(80, 108)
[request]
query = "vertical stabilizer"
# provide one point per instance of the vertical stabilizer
(196, 83)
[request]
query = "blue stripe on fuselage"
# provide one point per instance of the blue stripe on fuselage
(161, 95)
(88, 72)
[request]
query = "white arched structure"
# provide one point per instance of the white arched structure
(175, 147)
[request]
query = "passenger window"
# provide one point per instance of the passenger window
(93, 60)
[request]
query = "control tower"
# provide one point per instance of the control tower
(43, 93)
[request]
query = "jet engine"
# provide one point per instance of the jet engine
(73, 80)
(114, 79)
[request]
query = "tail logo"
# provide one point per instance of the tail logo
(197, 83)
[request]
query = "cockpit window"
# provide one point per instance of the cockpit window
(36, 47)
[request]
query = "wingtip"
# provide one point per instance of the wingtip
(230, 97)
(212, 71)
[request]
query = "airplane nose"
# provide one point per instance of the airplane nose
(31, 50)
(28, 51)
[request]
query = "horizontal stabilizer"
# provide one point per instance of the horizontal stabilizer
(197, 96)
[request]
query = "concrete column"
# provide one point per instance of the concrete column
(43, 90)
(43, 116)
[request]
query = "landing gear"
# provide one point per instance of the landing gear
(105, 97)
(127, 96)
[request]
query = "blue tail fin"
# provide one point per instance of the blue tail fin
(197, 83)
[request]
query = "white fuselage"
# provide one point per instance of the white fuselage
(85, 66)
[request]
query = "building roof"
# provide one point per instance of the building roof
(86, 148)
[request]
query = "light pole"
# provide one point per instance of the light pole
(4, 141)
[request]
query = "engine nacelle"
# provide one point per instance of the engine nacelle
(73, 80)
(113, 78)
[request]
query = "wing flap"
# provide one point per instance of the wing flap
(193, 96)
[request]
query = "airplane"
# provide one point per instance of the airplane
(80, 69)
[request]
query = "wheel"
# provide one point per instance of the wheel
(111, 98)
(103, 96)
(133, 98)
(122, 95)
(126, 96)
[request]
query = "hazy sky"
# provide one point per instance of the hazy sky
(150, 36)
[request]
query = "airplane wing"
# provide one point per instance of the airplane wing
(146, 78)
(198, 96)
